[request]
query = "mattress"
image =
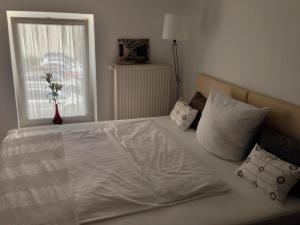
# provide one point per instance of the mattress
(244, 204)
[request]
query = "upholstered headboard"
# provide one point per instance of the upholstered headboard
(283, 116)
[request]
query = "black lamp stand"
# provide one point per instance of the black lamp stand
(176, 67)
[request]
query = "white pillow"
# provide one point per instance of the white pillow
(227, 126)
(183, 115)
(266, 171)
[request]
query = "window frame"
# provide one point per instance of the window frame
(15, 17)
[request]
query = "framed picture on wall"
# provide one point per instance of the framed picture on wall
(133, 51)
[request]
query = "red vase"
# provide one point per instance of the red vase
(57, 118)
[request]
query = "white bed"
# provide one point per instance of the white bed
(244, 204)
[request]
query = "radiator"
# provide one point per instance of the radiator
(141, 90)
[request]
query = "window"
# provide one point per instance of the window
(61, 43)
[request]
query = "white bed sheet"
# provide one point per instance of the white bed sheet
(130, 167)
(243, 205)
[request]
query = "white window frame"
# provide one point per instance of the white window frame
(92, 89)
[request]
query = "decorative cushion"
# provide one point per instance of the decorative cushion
(286, 148)
(227, 126)
(268, 172)
(197, 102)
(183, 115)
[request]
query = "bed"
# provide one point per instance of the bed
(242, 204)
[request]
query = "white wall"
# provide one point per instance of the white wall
(113, 19)
(252, 43)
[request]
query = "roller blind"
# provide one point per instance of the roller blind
(60, 49)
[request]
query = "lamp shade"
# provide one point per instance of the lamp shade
(174, 27)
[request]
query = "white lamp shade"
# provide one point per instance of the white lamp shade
(174, 27)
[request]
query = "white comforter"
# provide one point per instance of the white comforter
(34, 180)
(130, 167)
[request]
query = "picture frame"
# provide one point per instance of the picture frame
(133, 51)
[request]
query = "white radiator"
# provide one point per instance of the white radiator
(141, 90)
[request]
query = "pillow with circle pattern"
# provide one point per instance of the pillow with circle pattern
(268, 172)
(183, 115)
(282, 146)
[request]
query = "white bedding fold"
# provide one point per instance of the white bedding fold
(131, 167)
(171, 171)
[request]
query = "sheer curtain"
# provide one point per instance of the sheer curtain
(57, 48)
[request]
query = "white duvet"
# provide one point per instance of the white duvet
(34, 180)
(129, 167)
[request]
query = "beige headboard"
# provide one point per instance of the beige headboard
(205, 83)
(283, 116)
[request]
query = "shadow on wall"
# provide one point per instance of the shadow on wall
(204, 19)
(8, 113)
(212, 12)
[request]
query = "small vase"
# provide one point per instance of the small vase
(57, 118)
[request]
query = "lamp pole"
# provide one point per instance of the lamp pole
(174, 28)
(176, 68)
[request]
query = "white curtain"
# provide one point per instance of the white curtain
(57, 48)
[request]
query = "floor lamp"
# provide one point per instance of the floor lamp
(174, 28)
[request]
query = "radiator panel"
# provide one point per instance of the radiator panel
(141, 90)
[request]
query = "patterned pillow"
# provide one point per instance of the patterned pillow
(268, 172)
(183, 115)
(278, 144)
